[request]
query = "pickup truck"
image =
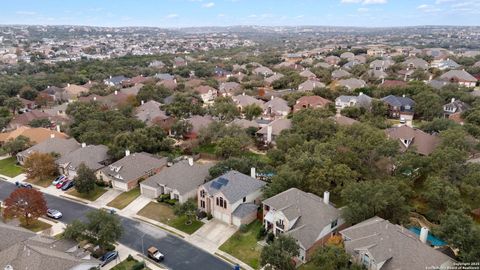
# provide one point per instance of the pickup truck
(154, 254)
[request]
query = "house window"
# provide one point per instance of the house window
(366, 260)
(202, 204)
(225, 204)
(218, 201)
(334, 223)
(202, 193)
(244, 199)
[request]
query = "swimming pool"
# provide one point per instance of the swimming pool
(432, 240)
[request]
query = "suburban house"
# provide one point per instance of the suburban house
(306, 217)
(270, 80)
(24, 119)
(59, 146)
(263, 71)
(408, 137)
(400, 107)
(352, 83)
(362, 100)
(233, 197)
(125, 173)
(23, 249)
(381, 65)
(269, 132)
(460, 77)
(380, 245)
(94, 157)
(35, 135)
(310, 84)
(229, 88)
(313, 102)
(343, 120)
(55, 93)
(340, 73)
(207, 93)
(179, 62)
(198, 122)
(444, 64)
(115, 81)
(244, 123)
(151, 114)
(276, 107)
(74, 91)
(244, 100)
(307, 74)
(416, 63)
(455, 106)
(181, 180)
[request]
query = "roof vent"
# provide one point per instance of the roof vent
(8, 267)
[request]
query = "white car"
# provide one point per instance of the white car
(54, 213)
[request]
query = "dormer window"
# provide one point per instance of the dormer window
(334, 224)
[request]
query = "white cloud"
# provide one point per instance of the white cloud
(172, 16)
(208, 5)
(27, 13)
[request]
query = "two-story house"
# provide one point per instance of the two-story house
(207, 93)
(233, 198)
(455, 106)
(400, 107)
(306, 217)
(362, 100)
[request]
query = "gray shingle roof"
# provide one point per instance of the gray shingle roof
(392, 243)
(181, 176)
(245, 209)
(312, 213)
(150, 111)
(134, 166)
(277, 126)
(91, 155)
(399, 101)
(461, 75)
(55, 145)
(233, 185)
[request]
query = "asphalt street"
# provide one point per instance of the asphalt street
(179, 254)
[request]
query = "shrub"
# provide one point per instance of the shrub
(170, 201)
(243, 228)
(270, 237)
(261, 233)
(201, 214)
(138, 266)
(130, 258)
(163, 198)
(209, 216)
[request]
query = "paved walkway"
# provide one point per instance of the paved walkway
(135, 206)
(212, 235)
(106, 197)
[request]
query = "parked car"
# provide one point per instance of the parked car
(108, 257)
(154, 254)
(58, 179)
(69, 184)
(54, 213)
(61, 183)
(23, 185)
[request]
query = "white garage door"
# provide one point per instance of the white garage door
(119, 185)
(222, 216)
(236, 221)
(148, 191)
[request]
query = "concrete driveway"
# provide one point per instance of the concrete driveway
(212, 235)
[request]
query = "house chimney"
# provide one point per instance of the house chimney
(127, 153)
(94, 98)
(453, 100)
(175, 81)
(430, 78)
(243, 94)
(253, 172)
(52, 135)
(68, 85)
(361, 93)
(58, 128)
(272, 97)
(424, 235)
(142, 102)
(269, 133)
(84, 145)
(89, 82)
(326, 197)
(403, 95)
(116, 92)
(190, 161)
(110, 76)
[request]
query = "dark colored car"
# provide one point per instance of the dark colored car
(108, 257)
(23, 185)
(69, 184)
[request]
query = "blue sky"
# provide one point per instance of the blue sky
(181, 13)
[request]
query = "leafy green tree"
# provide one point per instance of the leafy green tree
(459, 230)
(13, 104)
(181, 127)
(74, 230)
(387, 199)
(229, 147)
(280, 253)
(428, 105)
(85, 179)
(225, 109)
(252, 111)
(185, 105)
(14, 146)
(187, 208)
(331, 257)
(40, 122)
(241, 164)
(153, 92)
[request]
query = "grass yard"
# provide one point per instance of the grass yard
(43, 183)
(9, 167)
(208, 149)
(92, 196)
(125, 198)
(37, 226)
(243, 246)
(307, 266)
(164, 213)
(126, 265)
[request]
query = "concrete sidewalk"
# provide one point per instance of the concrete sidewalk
(107, 197)
(135, 206)
(123, 253)
(212, 235)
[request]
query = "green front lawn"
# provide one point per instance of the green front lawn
(208, 149)
(126, 265)
(308, 266)
(37, 226)
(9, 167)
(124, 199)
(164, 213)
(244, 247)
(92, 196)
